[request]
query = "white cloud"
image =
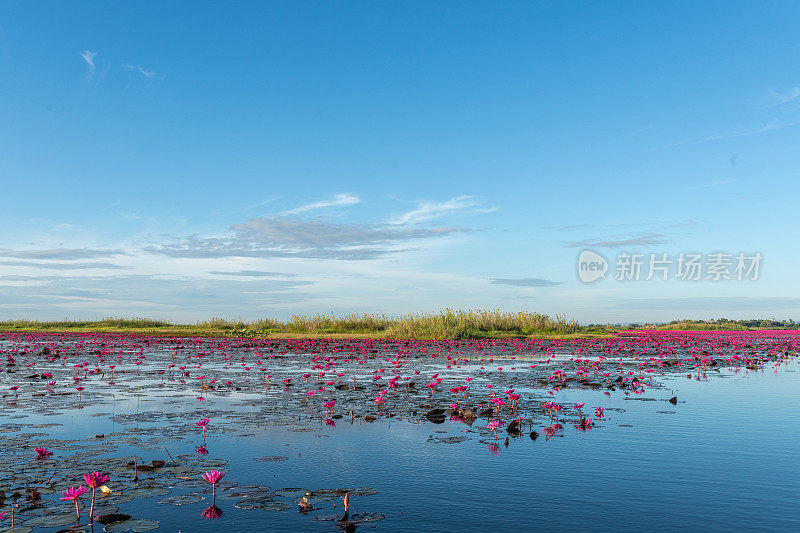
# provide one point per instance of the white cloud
(88, 56)
(769, 126)
(655, 239)
(67, 254)
(715, 183)
(282, 237)
(149, 74)
(780, 99)
(525, 282)
(336, 200)
(426, 210)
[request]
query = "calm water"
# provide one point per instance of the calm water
(723, 458)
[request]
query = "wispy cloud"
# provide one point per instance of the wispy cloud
(60, 253)
(336, 200)
(777, 98)
(88, 56)
(571, 227)
(294, 237)
(772, 125)
(64, 266)
(715, 183)
(257, 204)
(427, 210)
(651, 226)
(688, 223)
(769, 126)
(524, 282)
(149, 74)
(654, 239)
(55, 296)
(253, 274)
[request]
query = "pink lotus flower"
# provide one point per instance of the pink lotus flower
(73, 493)
(42, 453)
(214, 477)
(598, 412)
(95, 479)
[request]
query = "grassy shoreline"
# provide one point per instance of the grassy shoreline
(447, 324)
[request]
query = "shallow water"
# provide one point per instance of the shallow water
(723, 457)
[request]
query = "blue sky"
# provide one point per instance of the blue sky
(279, 158)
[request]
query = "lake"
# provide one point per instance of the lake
(721, 455)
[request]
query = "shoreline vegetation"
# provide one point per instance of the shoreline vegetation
(446, 324)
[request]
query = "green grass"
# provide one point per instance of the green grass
(447, 324)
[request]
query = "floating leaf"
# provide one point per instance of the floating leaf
(51, 520)
(134, 525)
(264, 502)
(182, 500)
(148, 491)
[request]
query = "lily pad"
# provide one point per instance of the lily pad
(135, 525)
(148, 491)
(51, 520)
(264, 502)
(290, 493)
(182, 500)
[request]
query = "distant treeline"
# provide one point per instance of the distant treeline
(722, 324)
